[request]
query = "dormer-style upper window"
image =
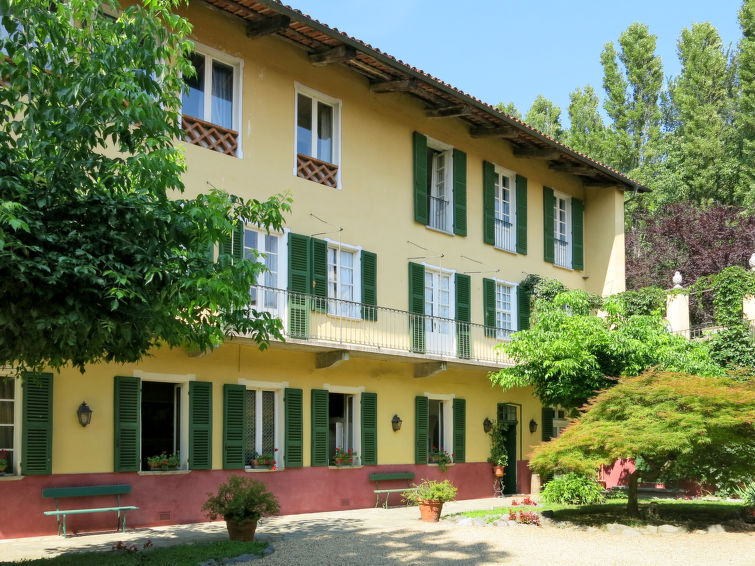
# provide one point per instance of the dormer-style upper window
(318, 149)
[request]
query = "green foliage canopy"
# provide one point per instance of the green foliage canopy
(569, 354)
(97, 262)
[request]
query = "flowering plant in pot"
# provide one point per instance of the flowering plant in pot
(440, 457)
(241, 502)
(266, 460)
(344, 457)
(430, 496)
(499, 455)
(3, 461)
(164, 462)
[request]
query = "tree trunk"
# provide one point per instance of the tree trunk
(632, 508)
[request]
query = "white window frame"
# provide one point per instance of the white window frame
(278, 388)
(237, 65)
(181, 380)
(558, 196)
(347, 311)
(15, 470)
(282, 282)
(356, 433)
(336, 103)
(448, 419)
(447, 150)
(500, 173)
(514, 308)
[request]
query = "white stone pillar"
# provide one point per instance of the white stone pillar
(748, 308)
(677, 313)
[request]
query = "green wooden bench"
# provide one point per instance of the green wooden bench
(88, 491)
(391, 476)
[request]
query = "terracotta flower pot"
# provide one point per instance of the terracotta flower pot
(498, 471)
(241, 530)
(3, 467)
(429, 510)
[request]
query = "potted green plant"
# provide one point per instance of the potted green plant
(241, 502)
(3, 461)
(430, 496)
(440, 457)
(499, 455)
(164, 462)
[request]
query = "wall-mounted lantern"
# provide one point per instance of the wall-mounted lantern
(487, 425)
(84, 413)
(396, 423)
(533, 425)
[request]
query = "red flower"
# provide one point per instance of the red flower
(276, 450)
(434, 448)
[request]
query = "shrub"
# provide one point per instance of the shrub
(432, 490)
(240, 499)
(573, 489)
(747, 494)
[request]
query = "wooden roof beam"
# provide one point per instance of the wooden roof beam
(449, 111)
(505, 132)
(401, 85)
(590, 182)
(268, 26)
(572, 168)
(531, 152)
(338, 54)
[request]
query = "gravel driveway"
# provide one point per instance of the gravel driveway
(397, 536)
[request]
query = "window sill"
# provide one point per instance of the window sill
(564, 267)
(436, 465)
(514, 252)
(262, 470)
(163, 472)
(434, 229)
(355, 467)
(344, 316)
(10, 477)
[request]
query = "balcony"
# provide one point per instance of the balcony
(332, 324)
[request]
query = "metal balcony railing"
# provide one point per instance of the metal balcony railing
(343, 324)
(504, 235)
(439, 209)
(561, 253)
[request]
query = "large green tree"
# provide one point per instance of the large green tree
(569, 354)
(586, 133)
(546, 117)
(674, 425)
(100, 257)
(745, 112)
(633, 78)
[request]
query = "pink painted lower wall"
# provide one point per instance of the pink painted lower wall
(618, 474)
(165, 499)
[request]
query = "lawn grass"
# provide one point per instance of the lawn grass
(177, 555)
(682, 513)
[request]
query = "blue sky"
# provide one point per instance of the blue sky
(513, 50)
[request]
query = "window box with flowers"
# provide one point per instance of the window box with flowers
(440, 457)
(344, 457)
(265, 461)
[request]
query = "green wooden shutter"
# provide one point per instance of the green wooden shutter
(128, 404)
(463, 285)
(200, 425)
(460, 430)
(320, 409)
(548, 203)
(421, 429)
(233, 426)
(36, 425)
(421, 214)
(417, 307)
(369, 285)
(238, 242)
(521, 215)
(226, 244)
(369, 429)
(547, 415)
(460, 192)
(294, 435)
(299, 275)
(319, 263)
(523, 308)
(577, 249)
(488, 203)
(488, 306)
